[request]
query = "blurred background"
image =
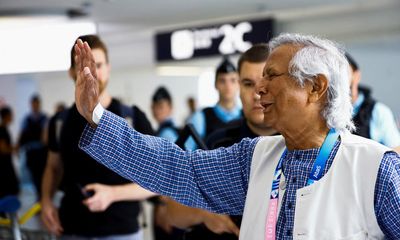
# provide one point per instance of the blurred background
(36, 37)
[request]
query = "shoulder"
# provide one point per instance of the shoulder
(381, 110)
(138, 114)
(354, 141)
(225, 136)
(197, 116)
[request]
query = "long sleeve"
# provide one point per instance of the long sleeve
(387, 195)
(214, 180)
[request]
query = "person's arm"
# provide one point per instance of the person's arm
(215, 180)
(5, 148)
(383, 126)
(105, 195)
(51, 179)
(387, 195)
(184, 217)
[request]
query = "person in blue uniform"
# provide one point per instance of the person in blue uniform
(227, 108)
(373, 119)
(161, 108)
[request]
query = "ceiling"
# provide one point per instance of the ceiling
(159, 13)
(130, 24)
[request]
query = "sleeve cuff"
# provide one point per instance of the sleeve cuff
(97, 113)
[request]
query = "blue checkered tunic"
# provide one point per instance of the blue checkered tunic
(217, 180)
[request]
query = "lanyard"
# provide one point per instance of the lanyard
(315, 175)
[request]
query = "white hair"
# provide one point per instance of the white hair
(322, 57)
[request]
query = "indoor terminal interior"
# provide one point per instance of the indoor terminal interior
(148, 54)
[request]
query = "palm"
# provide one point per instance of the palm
(87, 87)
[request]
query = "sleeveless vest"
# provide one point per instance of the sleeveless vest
(339, 206)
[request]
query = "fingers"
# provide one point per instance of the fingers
(90, 62)
(90, 187)
(232, 227)
(78, 55)
(52, 222)
(221, 224)
(84, 57)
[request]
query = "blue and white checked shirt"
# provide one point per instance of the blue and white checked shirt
(217, 180)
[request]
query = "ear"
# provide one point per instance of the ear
(318, 88)
(356, 76)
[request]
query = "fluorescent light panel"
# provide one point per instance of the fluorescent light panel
(36, 45)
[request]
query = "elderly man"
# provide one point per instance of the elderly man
(317, 181)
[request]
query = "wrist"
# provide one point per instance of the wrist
(96, 115)
(46, 200)
(204, 215)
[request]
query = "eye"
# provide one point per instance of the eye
(247, 83)
(275, 75)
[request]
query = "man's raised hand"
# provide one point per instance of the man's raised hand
(86, 87)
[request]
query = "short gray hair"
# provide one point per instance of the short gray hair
(322, 56)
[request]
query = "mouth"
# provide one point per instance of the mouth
(258, 108)
(266, 106)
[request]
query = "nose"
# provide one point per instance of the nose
(261, 87)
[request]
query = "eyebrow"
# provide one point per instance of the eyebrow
(267, 71)
(246, 80)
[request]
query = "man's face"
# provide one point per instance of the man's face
(161, 110)
(35, 105)
(284, 101)
(354, 81)
(250, 76)
(102, 67)
(227, 85)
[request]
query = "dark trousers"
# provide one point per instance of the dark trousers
(36, 162)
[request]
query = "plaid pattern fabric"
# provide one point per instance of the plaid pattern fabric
(217, 180)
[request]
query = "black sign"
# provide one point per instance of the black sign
(223, 39)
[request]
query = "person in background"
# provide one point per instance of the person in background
(373, 119)
(9, 184)
(60, 107)
(192, 106)
(161, 108)
(97, 203)
(32, 141)
(216, 226)
(227, 109)
(315, 181)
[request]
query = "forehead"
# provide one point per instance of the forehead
(227, 75)
(280, 57)
(251, 68)
(99, 55)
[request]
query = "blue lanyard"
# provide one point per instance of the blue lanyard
(319, 164)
